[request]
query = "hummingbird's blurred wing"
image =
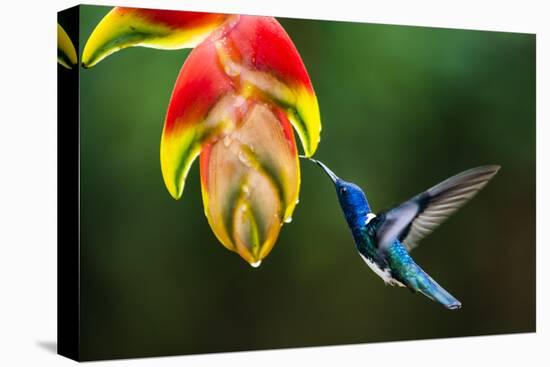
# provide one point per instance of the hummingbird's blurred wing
(416, 218)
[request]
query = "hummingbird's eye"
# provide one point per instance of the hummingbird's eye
(343, 190)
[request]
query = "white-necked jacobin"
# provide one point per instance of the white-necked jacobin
(385, 239)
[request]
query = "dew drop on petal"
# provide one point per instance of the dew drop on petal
(239, 101)
(256, 264)
(244, 159)
(288, 220)
(226, 140)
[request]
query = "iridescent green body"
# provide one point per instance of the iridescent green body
(397, 260)
(396, 267)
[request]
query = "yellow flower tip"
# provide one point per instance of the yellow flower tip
(173, 184)
(66, 53)
(175, 191)
(177, 154)
(86, 65)
(111, 34)
(306, 119)
(160, 29)
(64, 64)
(169, 176)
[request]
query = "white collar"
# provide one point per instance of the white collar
(370, 217)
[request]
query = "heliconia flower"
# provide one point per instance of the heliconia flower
(66, 53)
(234, 102)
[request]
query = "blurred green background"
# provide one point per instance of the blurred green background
(402, 108)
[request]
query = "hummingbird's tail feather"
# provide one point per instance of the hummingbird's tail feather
(424, 284)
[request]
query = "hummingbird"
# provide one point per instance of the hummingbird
(385, 239)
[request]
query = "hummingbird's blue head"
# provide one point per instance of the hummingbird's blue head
(352, 199)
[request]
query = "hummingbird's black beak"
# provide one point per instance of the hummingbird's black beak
(330, 174)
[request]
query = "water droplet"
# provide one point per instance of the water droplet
(226, 140)
(244, 159)
(246, 190)
(288, 220)
(231, 70)
(239, 101)
(256, 264)
(297, 201)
